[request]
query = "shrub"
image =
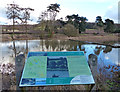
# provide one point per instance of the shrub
(117, 31)
(70, 30)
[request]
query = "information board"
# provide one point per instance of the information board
(56, 68)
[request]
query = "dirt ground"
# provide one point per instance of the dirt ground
(99, 38)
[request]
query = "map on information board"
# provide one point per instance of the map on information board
(56, 68)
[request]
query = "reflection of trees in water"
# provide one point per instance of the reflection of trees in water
(97, 50)
(47, 44)
(72, 46)
(80, 44)
(26, 47)
(41, 44)
(18, 49)
(59, 45)
(75, 46)
(14, 49)
(54, 44)
(107, 49)
(63, 45)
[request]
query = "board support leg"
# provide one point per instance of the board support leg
(19, 63)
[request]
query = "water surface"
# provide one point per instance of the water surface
(104, 58)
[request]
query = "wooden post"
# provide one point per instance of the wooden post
(93, 66)
(19, 64)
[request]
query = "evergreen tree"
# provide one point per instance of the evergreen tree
(109, 26)
(99, 22)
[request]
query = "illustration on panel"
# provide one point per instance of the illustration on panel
(57, 67)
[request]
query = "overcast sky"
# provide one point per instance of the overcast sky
(87, 8)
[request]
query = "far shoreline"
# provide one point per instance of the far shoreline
(94, 38)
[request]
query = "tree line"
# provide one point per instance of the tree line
(47, 21)
(108, 26)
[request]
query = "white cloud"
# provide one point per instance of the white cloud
(4, 21)
(37, 5)
(40, 5)
(112, 13)
(102, 0)
(66, 11)
(97, 1)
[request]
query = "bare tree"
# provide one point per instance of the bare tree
(47, 19)
(25, 18)
(43, 16)
(13, 12)
(52, 9)
(16, 13)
